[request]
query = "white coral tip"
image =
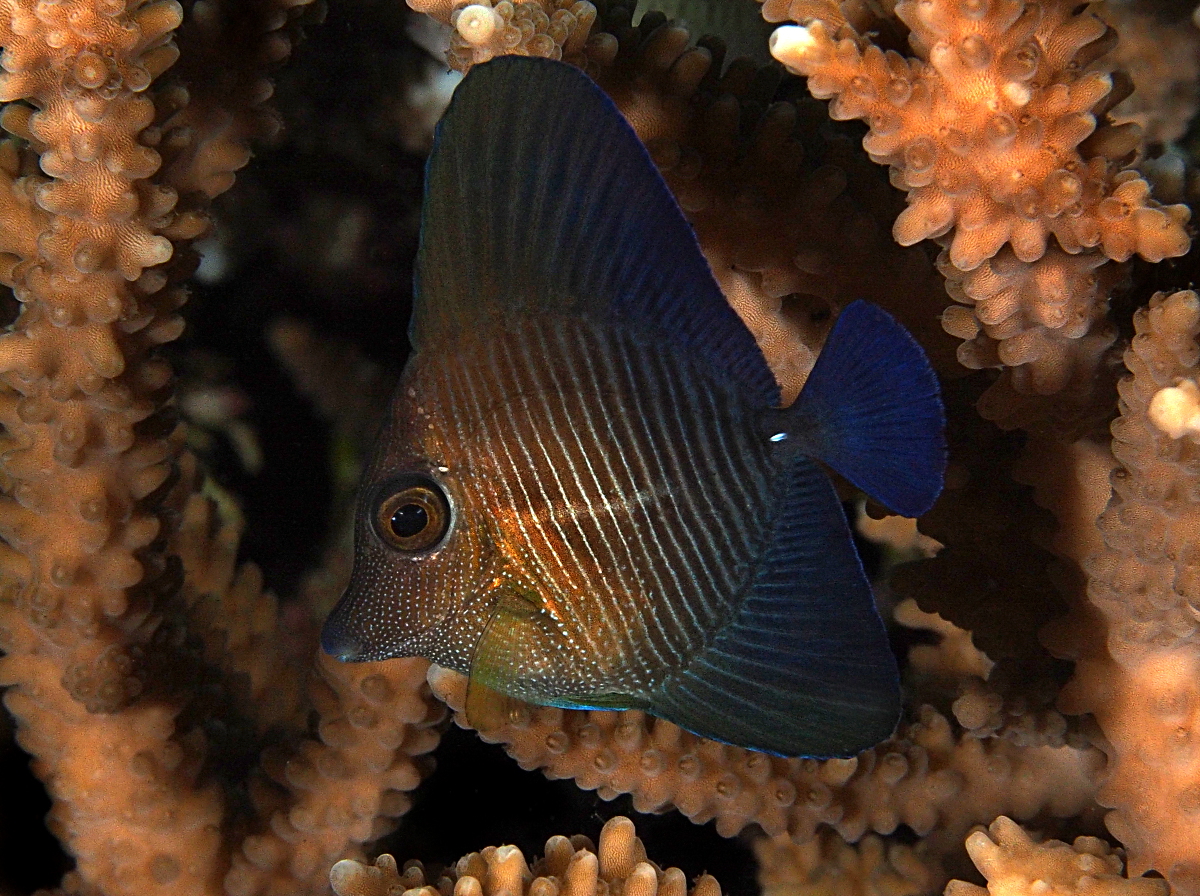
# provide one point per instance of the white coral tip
(347, 877)
(790, 42)
(1176, 409)
(477, 23)
(1017, 93)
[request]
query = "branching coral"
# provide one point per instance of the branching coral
(985, 131)
(554, 29)
(1013, 863)
(570, 867)
(104, 670)
(88, 439)
(1139, 679)
(829, 866)
(924, 777)
(1161, 53)
(996, 131)
(168, 699)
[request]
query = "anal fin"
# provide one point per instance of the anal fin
(803, 668)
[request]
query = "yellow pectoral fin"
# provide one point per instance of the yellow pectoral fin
(487, 708)
(511, 650)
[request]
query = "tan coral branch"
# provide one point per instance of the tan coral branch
(1014, 863)
(995, 128)
(1136, 640)
(344, 788)
(924, 777)
(570, 867)
(985, 128)
(829, 866)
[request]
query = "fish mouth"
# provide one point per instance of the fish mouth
(346, 634)
(339, 640)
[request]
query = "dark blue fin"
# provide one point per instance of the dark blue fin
(872, 410)
(540, 199)
(804, 667)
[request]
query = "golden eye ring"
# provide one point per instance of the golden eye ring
(412, 515)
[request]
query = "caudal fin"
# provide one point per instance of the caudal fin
(872, 410)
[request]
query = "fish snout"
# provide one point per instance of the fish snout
(337, 638)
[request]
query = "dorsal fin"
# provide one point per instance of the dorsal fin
(540, 199)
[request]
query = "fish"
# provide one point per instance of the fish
(585, 493)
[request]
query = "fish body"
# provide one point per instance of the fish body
(575, 453)
(585, 494)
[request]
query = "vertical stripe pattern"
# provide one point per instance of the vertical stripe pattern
(622, 483)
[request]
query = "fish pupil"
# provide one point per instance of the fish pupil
(409, 520)
(412, 513)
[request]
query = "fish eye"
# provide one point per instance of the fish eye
(412, 514)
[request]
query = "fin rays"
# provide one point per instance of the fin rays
(804, 667)
(872, 410)
(549, 204)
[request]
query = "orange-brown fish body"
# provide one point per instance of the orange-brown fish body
(570, 486)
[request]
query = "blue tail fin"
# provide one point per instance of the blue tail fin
(871, 409)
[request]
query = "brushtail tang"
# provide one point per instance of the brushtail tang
(585, 494)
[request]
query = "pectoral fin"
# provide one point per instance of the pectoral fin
(521, 658)
(506, 658)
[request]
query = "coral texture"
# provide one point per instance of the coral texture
(1014, 863)
(171, 704)
(554, 29)
(996, 130)
(571, 867)
(109, 662)
(829, 866)
(923, 777)
(1162, 57)
(1139, 680)
(985, 131)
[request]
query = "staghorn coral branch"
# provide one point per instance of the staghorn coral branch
(1013, 862)
(829, 866)
(98, 637)
(1161, 55)
(986, 133)
(924, 777)
(345, 788)
(571, 867)
(1136, 638)
(996, 129)
(236, 620)
(90, 449)
(552, 29)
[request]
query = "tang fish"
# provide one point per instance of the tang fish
(585, 493)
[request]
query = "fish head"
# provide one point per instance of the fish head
(420, 549)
